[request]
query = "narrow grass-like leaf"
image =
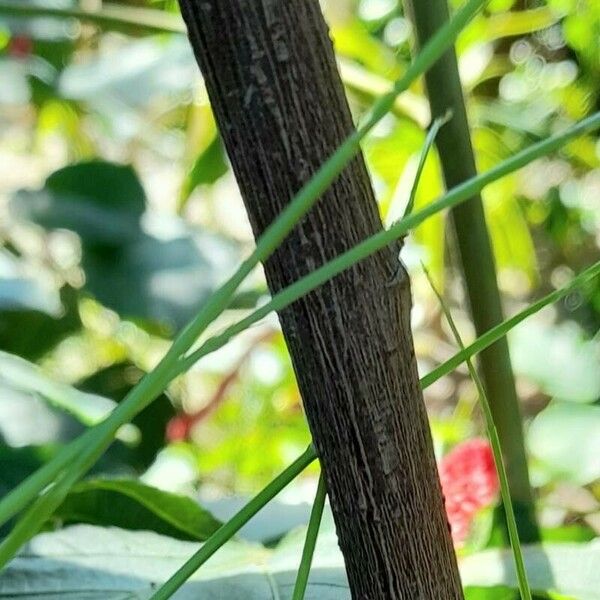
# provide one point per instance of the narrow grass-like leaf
(494, 334)
(81, 454)
(374, 243)
(492, 432)
(311, 540)
(429, 139)
(229, 529)
(100, 437)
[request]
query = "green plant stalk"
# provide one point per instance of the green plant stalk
(314, 523)
(480, 344)
(268, 242)
(229, 529)
(29, 488)
(458, 164)
(511, 522)
(97, 439)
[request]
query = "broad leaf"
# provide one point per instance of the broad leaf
(165, 280)
(567, 569)
(209, 166)
(133, 74)
(129, 504)
(102, 202)
(558, 359)
(90, 562)
(162, 272)
(565, 438)
(31, 384)
(111, 564)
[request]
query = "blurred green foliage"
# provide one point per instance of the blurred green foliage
(119, 214)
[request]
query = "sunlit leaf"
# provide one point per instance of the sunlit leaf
(31, 382)
(565, 438)
(568, 569)
(559, 359)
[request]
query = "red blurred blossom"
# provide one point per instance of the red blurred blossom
(469, 483)
(178, 428)
(20, 46)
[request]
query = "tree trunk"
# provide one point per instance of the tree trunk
(271, 75)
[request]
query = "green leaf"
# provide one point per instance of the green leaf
(565, 438)
(34, 315)
(75, 560)
(129, 504)
(102, 202)
(506, 593)
(90, 562)
(171, 277)
(132, 75)
(24, 378)
(116, 382)
(567, 569)
(209, 166)
(559, 359)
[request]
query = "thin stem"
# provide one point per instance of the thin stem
(457, 158)
(511, 522)
(99, 437)
(18, 498)
(310, 542)
(229, 529)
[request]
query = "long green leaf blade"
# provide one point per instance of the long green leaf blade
(99, 437)
(312, 532)
(229, 529)
(511, 521)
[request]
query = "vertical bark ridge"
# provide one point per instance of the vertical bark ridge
(271, 75)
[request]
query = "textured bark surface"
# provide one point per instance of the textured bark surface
(280, 105)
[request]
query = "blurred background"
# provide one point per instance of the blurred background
(119, 214)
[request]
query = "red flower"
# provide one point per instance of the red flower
(20, 46)
(469, 483)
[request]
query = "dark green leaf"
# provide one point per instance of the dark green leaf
(115, 382)
(129, 504)
(209, 166)
(102, 202)
(33, 319)
(157, 279)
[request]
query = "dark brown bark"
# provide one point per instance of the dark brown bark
(280, 105)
